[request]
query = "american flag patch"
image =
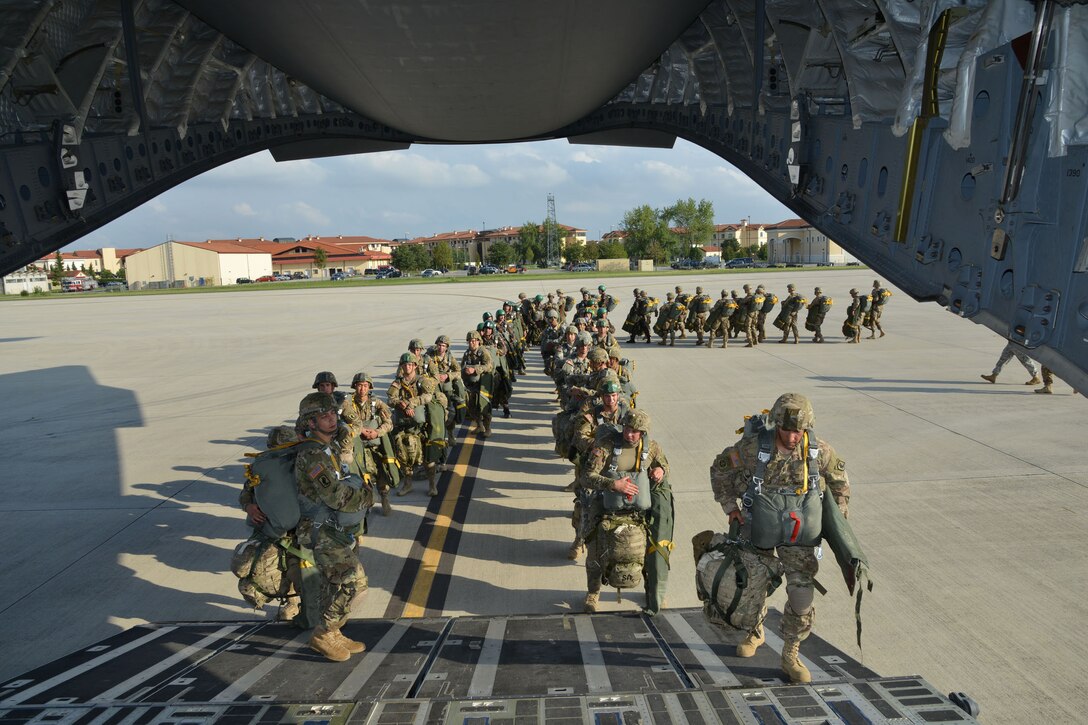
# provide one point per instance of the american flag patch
(734, 458)
(315, 471)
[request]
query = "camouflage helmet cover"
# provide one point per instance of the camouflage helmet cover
(281, 435)
(522, 295)
(584, 339)
(598, 355)
(698, 290)
(572, 329)
(442, 340)
(669, 295)
(637, 419)
(416, 344)
(316, 404)
(407, 358)
(324, 377)
(552, 314)
(792, 411)
(361, 378)
(473, 335)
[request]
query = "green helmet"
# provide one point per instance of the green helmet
(598, 354)
(362, 378)
(407, 358)
(602, 322)
(499, 313)
(480, 326)
(487, 316)
(324, 377)
(508, 303)
(442, 340)
(793, 412)
(489, 325)
(609, 385)
(637, 419)
(601, 288)
(538, 298)
(473, 335)
(316, 404)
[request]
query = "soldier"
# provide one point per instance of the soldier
(634, 317)
(503, 383)
(331, 503)
(739, 321)
(700, 310)
(880, 296)
(574, 368)
(683, 299)
(417, 348)
(855, 316)
(477, 369)
(780, 458)
(441, 365)
(817, 310)
(325, 382)
(617, 462)
(550, 341)
(663, 327)
(718, 321)
(646, 309)
(409, 402)
(769, 301)
(517, 332)
(604, 338)
(369, 422)
(621, 367)
(609, 410)
(787, 318)
(605, 300)
(753, 303)
(1010, 350)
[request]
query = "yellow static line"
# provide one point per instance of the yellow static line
(416, 605)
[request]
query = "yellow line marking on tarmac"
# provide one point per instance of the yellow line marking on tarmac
(416, 606)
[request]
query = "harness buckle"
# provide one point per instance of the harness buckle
(764, 456)
(757, 483)
(819, 553)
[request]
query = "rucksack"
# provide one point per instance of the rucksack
(261, 568)
(622, 549)
(733, 581)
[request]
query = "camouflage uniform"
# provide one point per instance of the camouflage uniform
(683, 299)
(374, 417)
(700, 311)
(659, 518)
(793, 304)
(479, 383)
(730, 475)
(817, 310)
(763, 310)
(855, 317)
(439, 365)
(574, 372)
(549, 344)
(739, 321)
(753, 301)
(721, 316)
(587, 423)
(872, 320)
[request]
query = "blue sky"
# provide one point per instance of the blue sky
(430, 189)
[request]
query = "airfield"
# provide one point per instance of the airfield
(126, 421)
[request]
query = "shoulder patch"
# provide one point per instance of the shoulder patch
(314, 471)
(841, 465)
(734, 458)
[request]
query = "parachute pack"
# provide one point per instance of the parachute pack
(769, 301)
(271, 477)
(621, 533)
(880, 296)
(733, 581)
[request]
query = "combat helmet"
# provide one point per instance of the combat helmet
(552, 315)
(416, 344)
(538, 299)
(609, 384)
(442, 340)
(281, 435)
(487, 316)
(698, 290)
(583, 339)
(500, 313)
(637, 419)
(324, 377)
(598, 355)
(480, 326)
(669, 295)
(315, 404)
(473, 335)
(570, 329)
(362, 378)
(792, 411)
(407, 358)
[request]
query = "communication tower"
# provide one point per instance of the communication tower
(552, 230)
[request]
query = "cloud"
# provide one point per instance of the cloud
(157, 206)
(584, 157)
(262, 169)
(243, 209)
(309, 213)
(665, 172)
(538, 173)
(418, 171)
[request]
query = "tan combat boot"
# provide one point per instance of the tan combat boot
(432, 483)
(993, 379)
(1045, 389)
(791, 662)
(1034, 380)
(288, 610)
(751, 643)
(326, 643)
(576, 549)
(350, 645)
(386, 508)
(405, 486)
(590, 603)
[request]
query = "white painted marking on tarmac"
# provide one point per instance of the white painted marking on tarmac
(817, 672)
(115, 692)
(719, 672)
(274, 660)
(483, 677)
(592, 656)
(85, 667)
(370, 663)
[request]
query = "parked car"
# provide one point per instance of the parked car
(243, 280)
(738, 263)
(584, 267)
(337, 276)
(431, 273)
(514, 269)
(390, 273)
(300, 275)
(282, 277)
(266, 278)
(115, 286)
(488, 269)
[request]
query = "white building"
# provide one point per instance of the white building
(194, 264)
(28, 280)
(796, 242)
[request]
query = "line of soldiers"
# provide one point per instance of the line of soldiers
(733, 315)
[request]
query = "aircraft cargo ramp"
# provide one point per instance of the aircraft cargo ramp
(600, 669)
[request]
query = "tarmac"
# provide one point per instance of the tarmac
(126, 421)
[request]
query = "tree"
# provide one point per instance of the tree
(695, 254)
(501, 254)
(56, 274)
(730, 249)
(645, 227)
(695, 220)
(411, 257)
(441, 256)
(460, 256)
(573, 252)
(591, 250)
(530, 244)
(321, 258)
(611, 249)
